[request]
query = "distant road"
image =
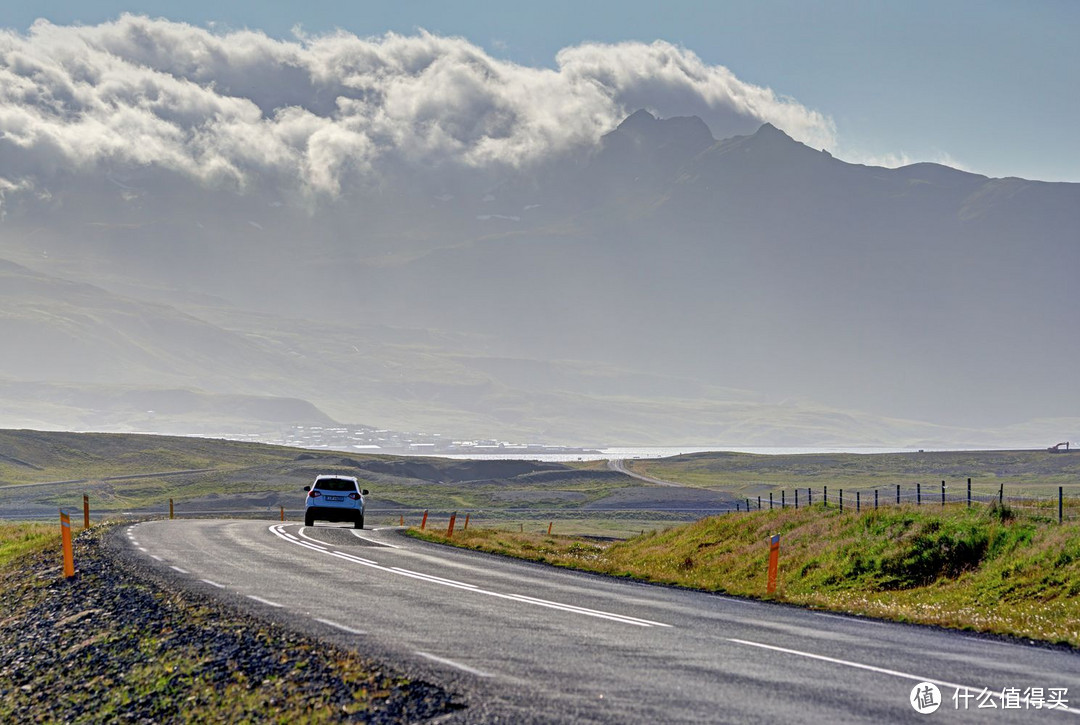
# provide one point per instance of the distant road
(619, 464)
(129, 477)
(526, 643)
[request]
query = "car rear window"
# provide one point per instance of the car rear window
(335, 484)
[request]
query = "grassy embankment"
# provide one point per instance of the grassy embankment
(17, 540)
(980, 569)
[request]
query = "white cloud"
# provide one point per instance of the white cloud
(321, 113)
(899, 159)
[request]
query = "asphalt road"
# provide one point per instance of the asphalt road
(522, 642)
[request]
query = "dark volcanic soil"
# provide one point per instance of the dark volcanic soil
(110, 645)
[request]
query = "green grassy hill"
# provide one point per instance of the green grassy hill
(139, 474)
(1030, 471)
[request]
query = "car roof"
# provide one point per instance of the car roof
(324, 476)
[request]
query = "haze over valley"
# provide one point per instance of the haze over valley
(635, 247)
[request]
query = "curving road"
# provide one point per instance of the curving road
(522, 642)
(619, 465)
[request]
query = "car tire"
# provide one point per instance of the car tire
(359, 521)
(309, 520)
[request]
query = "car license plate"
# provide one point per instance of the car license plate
(335, 498)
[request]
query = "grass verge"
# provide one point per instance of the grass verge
(17, 539)
(978, 569)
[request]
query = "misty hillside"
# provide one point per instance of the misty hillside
(758, 263)
(662, 287)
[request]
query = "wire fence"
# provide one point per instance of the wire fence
(849, 499)
(1057, 506)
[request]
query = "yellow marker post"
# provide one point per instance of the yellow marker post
(65, 538)
(450, 529)
(86, 511)
(774, 563)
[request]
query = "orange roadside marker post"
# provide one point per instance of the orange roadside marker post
(86, 511)
(466, 526)
(423, 522)
(282, 513)
(65, 539)
(550, 524)
(401, 522)
(170, 508)
(450, 529)
(774, 563)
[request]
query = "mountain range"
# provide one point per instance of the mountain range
(664, 288)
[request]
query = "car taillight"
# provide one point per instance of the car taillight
(354, 496)
(314, 494)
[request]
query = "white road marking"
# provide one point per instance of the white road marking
(155, 556)
(136, 543)
(356, 558)
(213, 584)
(142, 549)
(880, 670)
(342, 627)
(182, 571)
(358, 535)
(600, 614)
(987, 640)
(852, 619)
(593, 612)
(281, 531)
(313, 547)
(267, 602)
(455, 665)
(436, 579)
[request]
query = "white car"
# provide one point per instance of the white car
(335, 498)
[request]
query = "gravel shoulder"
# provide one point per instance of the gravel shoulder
(115, 643)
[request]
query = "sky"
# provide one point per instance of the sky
(986, 86)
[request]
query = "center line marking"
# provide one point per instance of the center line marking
(342, 627)
(372, 541)
(281, 532)
(599, 614)
(879, 670)
(455, 665)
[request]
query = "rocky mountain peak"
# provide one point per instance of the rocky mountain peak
(645, 144)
